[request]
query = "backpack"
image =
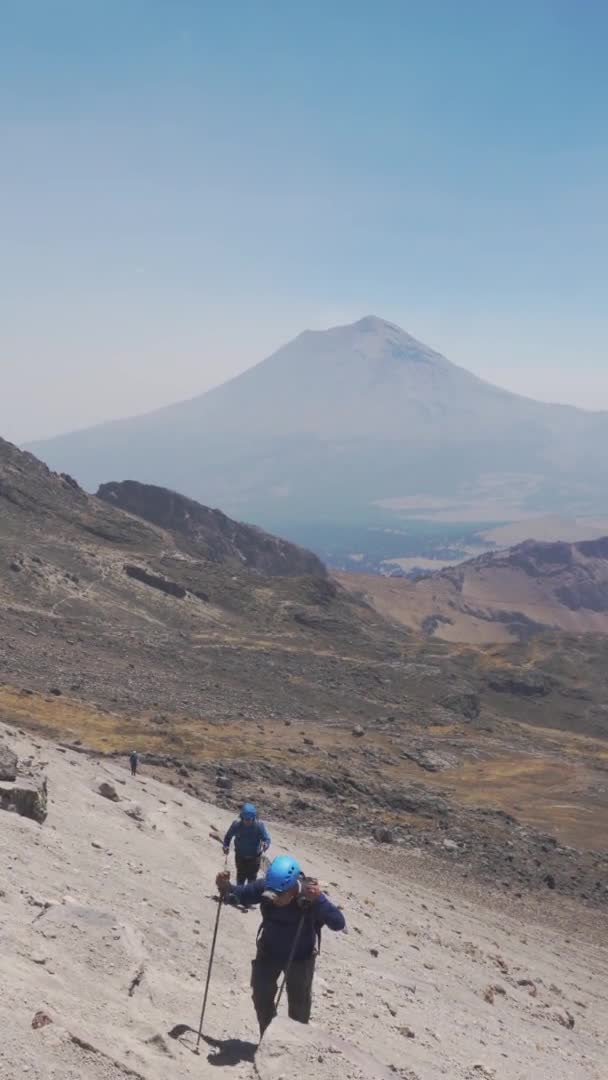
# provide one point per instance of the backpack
(306, 909)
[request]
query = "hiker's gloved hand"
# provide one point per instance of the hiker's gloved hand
(311, 890)
(226, 850)
(222, 882)
(265, 847)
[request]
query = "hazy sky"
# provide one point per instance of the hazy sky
(187, 184)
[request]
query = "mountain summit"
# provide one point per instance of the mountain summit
(340, 420)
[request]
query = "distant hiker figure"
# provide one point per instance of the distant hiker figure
(293, 911)
(251, 839)
(133, 762)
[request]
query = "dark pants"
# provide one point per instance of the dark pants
(134, 768)
(247, 869)
(265, 974)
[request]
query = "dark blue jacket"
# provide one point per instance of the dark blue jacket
(248, 839)
(279, 925)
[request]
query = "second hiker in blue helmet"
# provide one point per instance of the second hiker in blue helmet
(293, 911)
(251, 839)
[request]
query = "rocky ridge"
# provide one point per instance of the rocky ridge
(210, 534)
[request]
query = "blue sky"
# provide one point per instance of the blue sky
(186, 185)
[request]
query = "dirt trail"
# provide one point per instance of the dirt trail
(105, 923)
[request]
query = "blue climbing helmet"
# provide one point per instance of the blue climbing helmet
(282, 874)
(248, 812)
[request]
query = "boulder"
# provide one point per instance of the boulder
(358, 731)
(429, 760)
(26, 796)
(8, 763)
(108, 791)
(382, 835)
(464, 701)
(41, 1019)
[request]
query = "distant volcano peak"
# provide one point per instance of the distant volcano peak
(374, 323)
(345, 420)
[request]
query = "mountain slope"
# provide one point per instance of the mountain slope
(32, 495)
(129, 614)
(339, 420)
(116, 632)
(501, 597)
(107, 917)
(77, 568)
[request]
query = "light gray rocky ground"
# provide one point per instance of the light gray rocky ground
(105, 924)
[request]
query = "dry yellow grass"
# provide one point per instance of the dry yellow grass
(552, 795)
(65, 719)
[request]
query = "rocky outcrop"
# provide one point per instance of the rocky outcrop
(463, 700)
(519, 682)
(8, 763)
(155, 581)
(427, 759)
(211, 533)
(26, 796)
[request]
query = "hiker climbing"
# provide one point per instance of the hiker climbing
(293, 911)
(251, 840)
(133, 762)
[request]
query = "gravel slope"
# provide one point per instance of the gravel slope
(105, 925)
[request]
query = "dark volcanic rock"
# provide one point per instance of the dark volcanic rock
(523, 683)
(70, 481)
(318, 621)
(108, 791)
(382, 835)
(171, 588)
(8, 763)
(464, 701)
(432, 622)
(589, 595)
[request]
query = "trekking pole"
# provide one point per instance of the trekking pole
(220, 904)
(217, 922)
